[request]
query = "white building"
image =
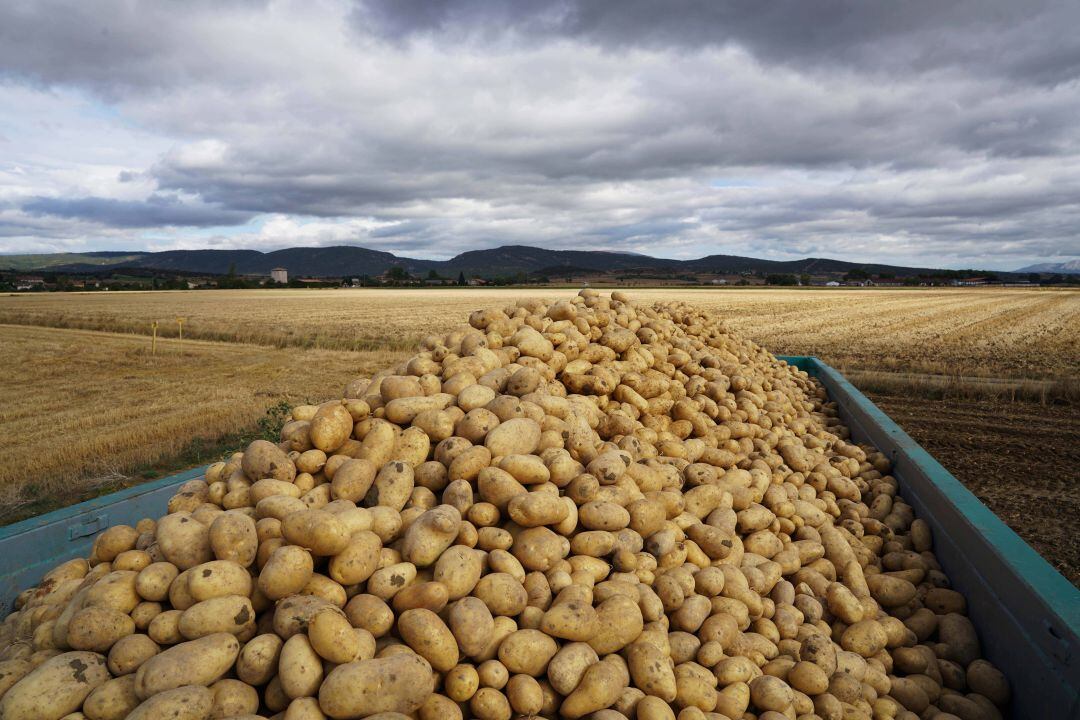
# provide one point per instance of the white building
(280, 275)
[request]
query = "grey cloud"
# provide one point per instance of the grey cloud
(921, 126)
(153, 212)
(1032, 40)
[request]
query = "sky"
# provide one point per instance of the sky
(928, 132)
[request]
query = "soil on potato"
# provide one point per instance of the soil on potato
(1021, 459)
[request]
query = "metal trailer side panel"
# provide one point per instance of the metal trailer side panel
(31, 548)
(1027, 614)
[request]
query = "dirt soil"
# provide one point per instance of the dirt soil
(1021, 459)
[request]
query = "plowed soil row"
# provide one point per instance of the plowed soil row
(1021, 459)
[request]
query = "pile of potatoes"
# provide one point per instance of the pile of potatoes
(582, 509)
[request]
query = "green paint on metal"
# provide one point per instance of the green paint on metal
(72, 511)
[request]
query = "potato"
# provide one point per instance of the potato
(115, 590)
(808, 678)
(231, 614)
(517, 436)
(263, 459)
(164, 629)
(318, 531)
(537, 508)
(129, 653)
(527, 652)
(11, 671)
(330, 427)
(190, 702)
(353, 479)
(770, 693)
(539, 548)
(490, 704)
(286, 572)
(890, 591)
(399, 683)
(153, 581)
(568, 666)
(619, 623)
(386, 582)
(233, 538)
(461, 682)
(599, 688)
(333, 638)
(866, 637)
(196, 662)
(526, 469)
(98, 629)
(300, 669)
(218, 578)
(502, 594)
(306, 708)
(430, 535)
(958, 635)
(112, 700)
(258, 661)
(570, 620)
(988, 681)
(429, 637)
(392, 487)
(55, 688)
(183, 540)
(652, 670)
(233, 698)
(113, 541)
(459, 569)
(472, 625)
(356, 562)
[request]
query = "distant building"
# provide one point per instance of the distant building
(971, 282)
(718, 281)
(280, 275)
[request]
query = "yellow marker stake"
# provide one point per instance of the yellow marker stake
(180, 322)
(153, 343)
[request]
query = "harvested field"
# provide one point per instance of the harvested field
(1001, 333)
(83, 407)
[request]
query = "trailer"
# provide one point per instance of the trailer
(1027, 614)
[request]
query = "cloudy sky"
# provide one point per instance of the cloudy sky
(929, 132)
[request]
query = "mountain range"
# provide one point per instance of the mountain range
(348, 260)
(1072, 267)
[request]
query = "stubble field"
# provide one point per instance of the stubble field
(1015, 333)
(985, 379)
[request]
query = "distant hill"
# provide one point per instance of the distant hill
(1072, 267)
(50, 261)
(510, 259)
(353, 261)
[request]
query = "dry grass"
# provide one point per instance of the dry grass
(80, 407)
(1004, 333)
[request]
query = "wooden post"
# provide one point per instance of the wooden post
(153, 343)
(180, 323)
